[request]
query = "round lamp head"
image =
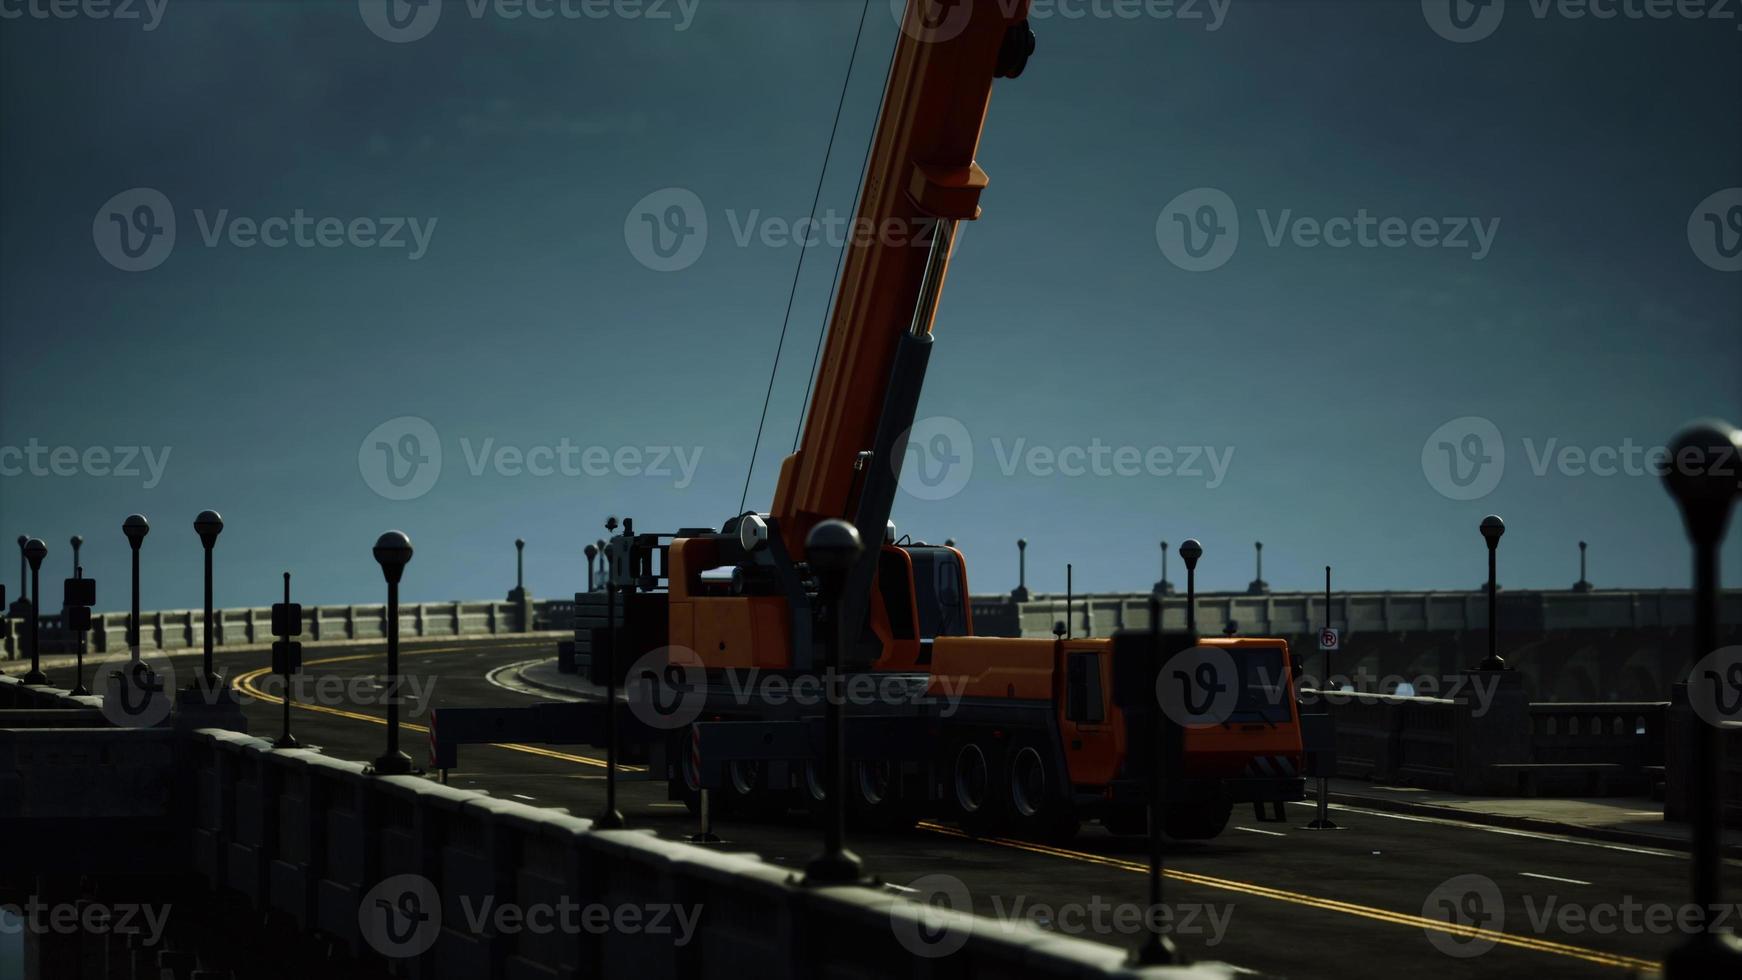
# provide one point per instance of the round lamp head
(611, 523)
(519, 544)
(591, 552)
(393, 551)
(78, 541)
(833, 545)
(1021, 544)
(34, 552)
(208, 524)
(1492, 528)
(1191, 551)
(1702, 475)
(136, 527)
(1058, 629)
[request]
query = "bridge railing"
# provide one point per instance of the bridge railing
(1628, 733)
(179, 629)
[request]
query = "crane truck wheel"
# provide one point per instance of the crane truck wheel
(747, 793)
(1200, 819)
(873, 797)
(971, 787)
(1039, 801)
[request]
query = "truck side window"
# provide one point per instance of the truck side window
(1083, 689)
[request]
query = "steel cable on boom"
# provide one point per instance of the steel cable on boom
(816, 355)
(791, 294)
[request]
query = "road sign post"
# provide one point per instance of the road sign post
(78, 595)
(286, 655)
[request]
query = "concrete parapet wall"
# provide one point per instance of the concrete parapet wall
(324, 843)
(182, 629)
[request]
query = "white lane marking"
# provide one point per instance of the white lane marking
(1569, 881)
(663, 805)
(1255, 830)
(520, 796)
(1510, 832)
(505, 678)
(900, 888)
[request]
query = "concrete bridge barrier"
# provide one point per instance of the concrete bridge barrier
(182, 629)
(414, 877)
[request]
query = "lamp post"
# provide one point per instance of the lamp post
(1258, 586)
(1190, 551)
(23, 582)
(1492, 527)
(1702, 478)
(34, 552)
(1164, 587)
(612, 818)
(831, 548)
(1020, 594)
(519, 566)
(1582, 585)
(208, 525)
(591, 553)
(393, 552)
(1158, 948)
(136, 527)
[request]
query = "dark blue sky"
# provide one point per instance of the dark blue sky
(1589, 313)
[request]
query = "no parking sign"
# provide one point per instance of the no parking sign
(1330, 638)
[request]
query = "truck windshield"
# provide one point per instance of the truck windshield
(1263, 685)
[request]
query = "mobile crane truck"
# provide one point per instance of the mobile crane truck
(1021, 735)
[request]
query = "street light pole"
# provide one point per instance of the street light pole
(1190, 551)
(392, 552)
(831, 548)
(1492, 527)
(208, 525)
(1702, 478)
(136, 528)
(34, 552)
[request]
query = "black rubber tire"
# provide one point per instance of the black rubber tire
(973, 787)
(1037, 793)
(874, 801)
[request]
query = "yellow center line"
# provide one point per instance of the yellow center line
(1325, 904)
(246, 684)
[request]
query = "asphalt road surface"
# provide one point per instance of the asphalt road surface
(1368, 899)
